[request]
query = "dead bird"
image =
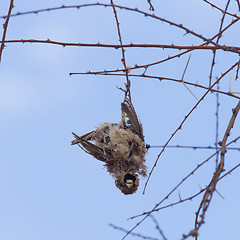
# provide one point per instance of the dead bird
(120, 146)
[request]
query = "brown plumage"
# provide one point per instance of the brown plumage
(120, 146)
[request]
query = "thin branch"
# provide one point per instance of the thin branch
(106, 5)
(131, 45)
(169, 57)
(219, 36)
(95, 4)
(238, 3)
(127, 92)
(189, 147)
(151, 8)
(188, 31)
(210, 78)
(5, 25)
(237, 72)
(218, 8)
(160, 79)
(217, 122)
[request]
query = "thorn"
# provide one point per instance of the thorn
(183, 77)
(219, 194)
(179, 196)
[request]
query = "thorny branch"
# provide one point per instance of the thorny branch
(218, 8)
(151, 8)
(188, 31)
(99, 4)
(238, 3)
(217, 122)
(169, 57)
(5, 25)
(193, 196)
(131, 45)
(218, 38)
(127, 92)
(190, 147)
(121, 7)
(210, 78)
(162, 79)
(212, 185)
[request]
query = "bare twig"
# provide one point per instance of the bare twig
(151, 8)
(210, 78)
(189, 147)
(169, 57)
(188, 31)
(160, 79)
(131, 45)
(5, 25)
(223, 11)
(217, 123)
(127, 92)
(238, 3)
(218, 38)
(237, 72)
(95, 4)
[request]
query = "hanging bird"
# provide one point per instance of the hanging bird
(120, 146)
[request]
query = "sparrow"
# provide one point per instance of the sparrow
(120, 146)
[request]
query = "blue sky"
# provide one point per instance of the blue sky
(52, 190)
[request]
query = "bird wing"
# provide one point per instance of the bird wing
(86, 137)
(90, 148)
(128, 108)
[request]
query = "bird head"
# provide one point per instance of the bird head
(127, 182)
